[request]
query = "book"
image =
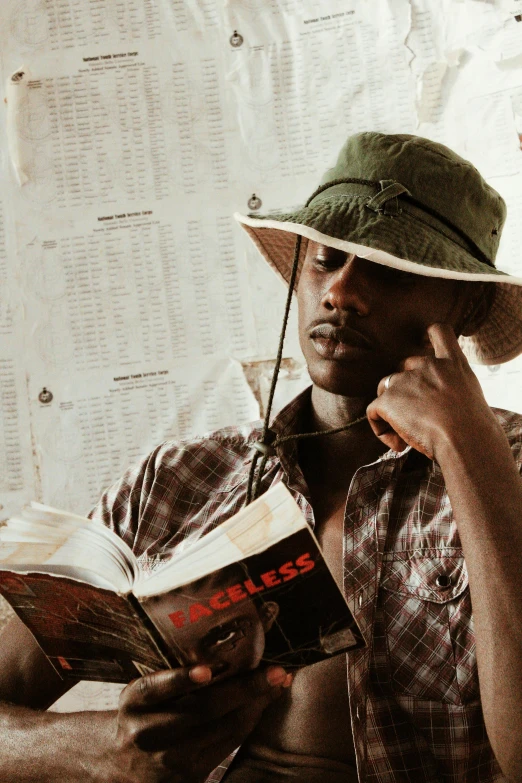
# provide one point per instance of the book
(254, 590)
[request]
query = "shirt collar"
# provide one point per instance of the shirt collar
(289, 422)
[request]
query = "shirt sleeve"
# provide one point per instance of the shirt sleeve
(180, 490)
(122, 505)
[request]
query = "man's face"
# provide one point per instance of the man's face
(359, 319)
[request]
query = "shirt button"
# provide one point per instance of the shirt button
(443, 581)
(360, 599)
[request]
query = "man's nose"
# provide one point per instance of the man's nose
(349, 288)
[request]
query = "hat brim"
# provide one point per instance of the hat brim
(409, 241)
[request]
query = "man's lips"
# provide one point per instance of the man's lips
(337, 342)
(341, 334)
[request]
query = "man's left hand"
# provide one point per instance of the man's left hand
(431, 400)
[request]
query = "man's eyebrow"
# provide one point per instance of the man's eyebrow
(328, 250)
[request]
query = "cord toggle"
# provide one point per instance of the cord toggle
(265, 446)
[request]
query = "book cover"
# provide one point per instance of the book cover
(87, 632)
(278, 606)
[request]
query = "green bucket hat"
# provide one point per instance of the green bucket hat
(412, 204)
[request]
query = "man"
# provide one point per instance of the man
(418, 510)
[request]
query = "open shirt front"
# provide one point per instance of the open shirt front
(415, 709)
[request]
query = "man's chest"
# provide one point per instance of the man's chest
(310, 724)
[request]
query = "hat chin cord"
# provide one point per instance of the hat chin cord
(266, 447)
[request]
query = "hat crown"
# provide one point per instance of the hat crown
(435, 176)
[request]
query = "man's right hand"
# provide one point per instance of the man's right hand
(172, 726)
(176, 726)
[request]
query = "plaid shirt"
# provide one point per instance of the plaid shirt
(415, 707)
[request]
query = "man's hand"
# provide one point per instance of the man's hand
(176, 726)
(430, 399)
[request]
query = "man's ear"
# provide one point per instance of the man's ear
(478, 310)
(268, 614)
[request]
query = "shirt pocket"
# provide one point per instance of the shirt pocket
(430, 643)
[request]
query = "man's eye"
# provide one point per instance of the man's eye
(328, 262)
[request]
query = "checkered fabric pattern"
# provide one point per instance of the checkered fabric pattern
(414, 692)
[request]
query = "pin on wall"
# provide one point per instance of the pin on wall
(254, 202)
(236, 39)
(45, 396)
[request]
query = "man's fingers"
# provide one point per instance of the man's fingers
(386, 433)
(154, 731)
(162, 689)
(385, 383)
(444, 341)
(159, 687)
(235, 693)
(445, 346)
(231, 731)
(410, 363)
(413, 363)
(152, 726)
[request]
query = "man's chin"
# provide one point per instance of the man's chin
(344, 382)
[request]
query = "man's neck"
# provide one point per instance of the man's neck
(328, 460)
(329, 410)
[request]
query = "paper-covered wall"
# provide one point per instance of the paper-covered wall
(133, 308)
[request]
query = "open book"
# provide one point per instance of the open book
(253, 590)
